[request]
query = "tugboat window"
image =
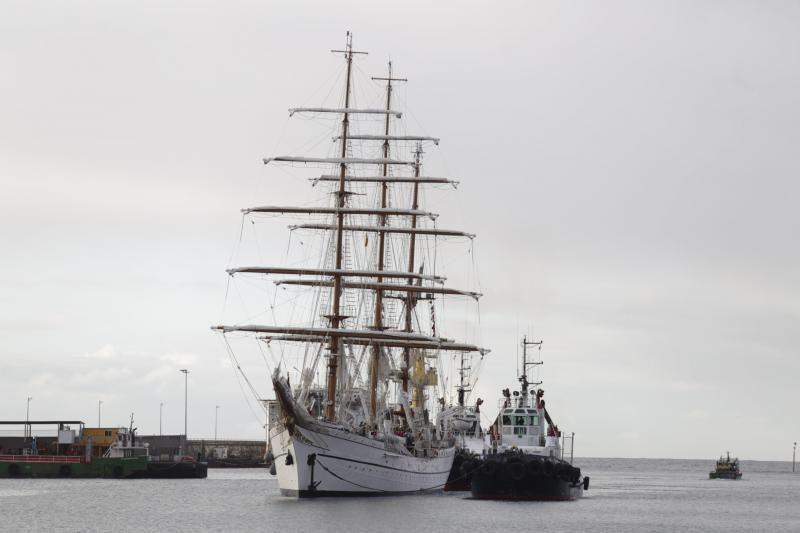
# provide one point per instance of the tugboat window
(534, 420)
(520, 421)
(506, 420)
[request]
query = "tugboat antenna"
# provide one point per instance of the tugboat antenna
(524, 377)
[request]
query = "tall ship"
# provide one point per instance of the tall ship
(525, 460)
(359, 377)
(726, 468)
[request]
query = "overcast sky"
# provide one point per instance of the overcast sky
(630, 169)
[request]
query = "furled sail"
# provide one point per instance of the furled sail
(387, 179)
(334, 332)
(448, 346)
(435, 140)
(379, 287)
(343, 210)
(342, 110)
(334, 272)
(336, 160)
(388, 229)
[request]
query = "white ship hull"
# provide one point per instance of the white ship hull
(340, 463)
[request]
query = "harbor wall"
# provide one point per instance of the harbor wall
(218, 453)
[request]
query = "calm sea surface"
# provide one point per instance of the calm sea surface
(626, 495)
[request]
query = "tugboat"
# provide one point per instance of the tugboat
(727, 468)
(525, 460)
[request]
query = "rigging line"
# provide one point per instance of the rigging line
(243, 305)
(332, 82)
(225, 301)
(236, 248)
(272, 355)
(255, 239)
(264, 357)
(244, 395)
(230, 263)
(373, 87)
(474, 268)
(238, 367)
(312, 144)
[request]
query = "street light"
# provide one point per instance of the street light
(216, 416)
(99, 403)
(160, 413)
(185, 407)
(28, 417)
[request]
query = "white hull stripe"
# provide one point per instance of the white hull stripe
(334, 474)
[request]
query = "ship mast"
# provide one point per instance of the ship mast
(524, 377)
(462, 374)
(335, 316)
(339, 276)
(412, 241)
(378, 320)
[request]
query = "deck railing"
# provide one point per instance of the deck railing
(51, 459)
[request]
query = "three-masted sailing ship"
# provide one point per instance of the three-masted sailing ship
(369, 427)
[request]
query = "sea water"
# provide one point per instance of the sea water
(625, 495)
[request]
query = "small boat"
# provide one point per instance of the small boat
(726, 468)
(525, 460)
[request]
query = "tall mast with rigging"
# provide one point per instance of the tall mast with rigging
(378, 318)
(335, 316)
(410, 299)
(338, 276)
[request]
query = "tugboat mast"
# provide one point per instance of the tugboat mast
(523, 379)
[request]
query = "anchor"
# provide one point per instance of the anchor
(312, 461)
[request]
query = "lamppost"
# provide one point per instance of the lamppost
(99, 403)
(794, 449)
(28, 418)
(185, 408)
(160, 413)
(216, 416)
